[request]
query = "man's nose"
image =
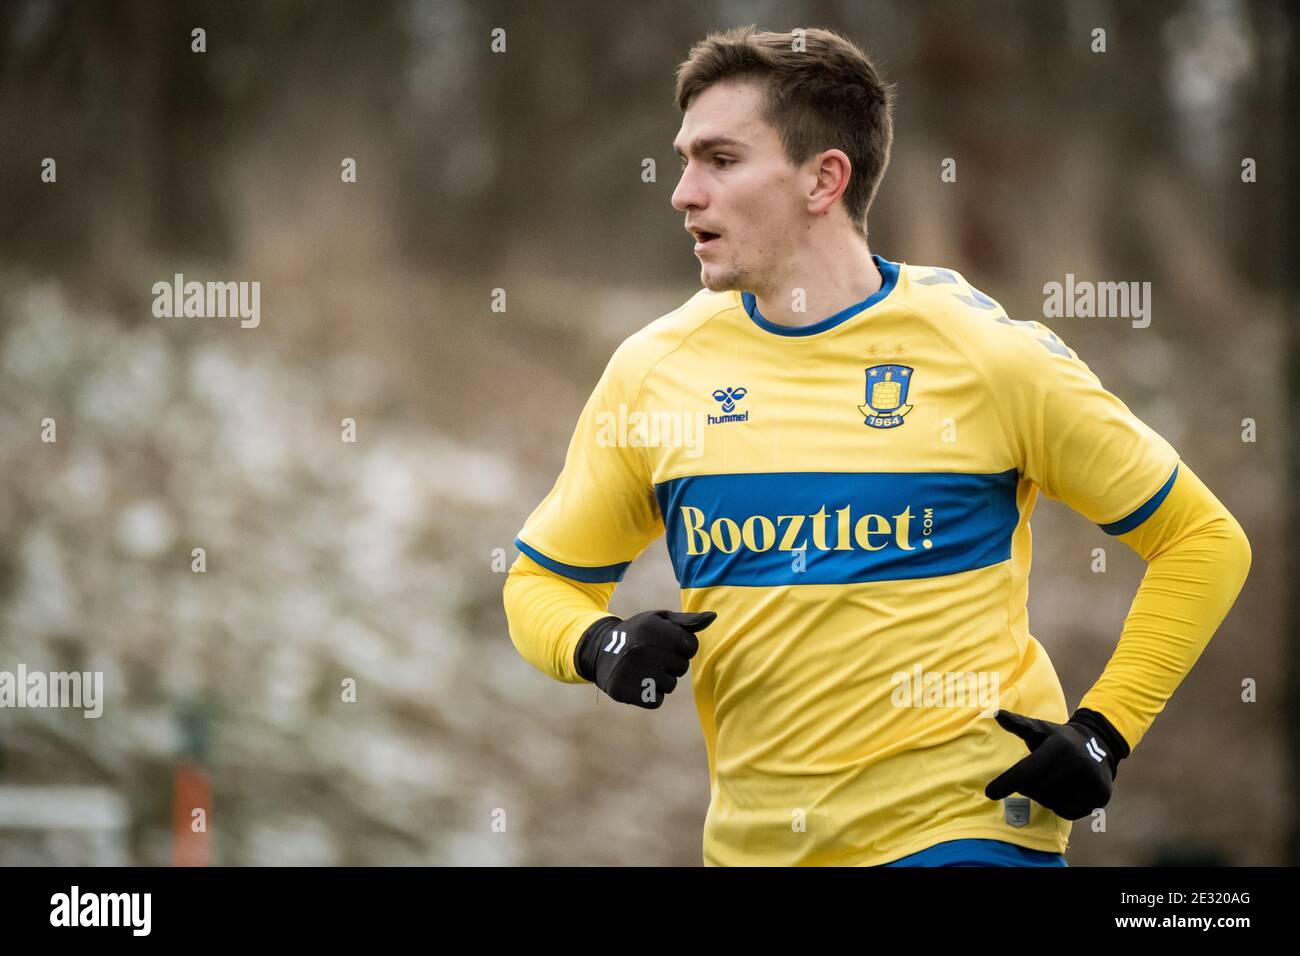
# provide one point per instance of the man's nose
(688, 194)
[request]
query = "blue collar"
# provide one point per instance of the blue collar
(888, 272)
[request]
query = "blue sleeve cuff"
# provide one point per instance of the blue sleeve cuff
(603, 575)
(1127, 524)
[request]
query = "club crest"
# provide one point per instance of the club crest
(886, 395)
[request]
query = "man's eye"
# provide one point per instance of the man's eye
(722, 162)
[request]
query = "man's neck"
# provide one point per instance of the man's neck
(826, 282)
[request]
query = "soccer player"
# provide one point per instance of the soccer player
(843, 452)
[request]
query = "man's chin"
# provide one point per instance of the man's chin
(719, 281)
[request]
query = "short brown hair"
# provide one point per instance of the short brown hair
(827, 96)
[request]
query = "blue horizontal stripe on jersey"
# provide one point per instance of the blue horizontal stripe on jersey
(1127, 524)
(602, 575)
(974, 852)
(718, 517)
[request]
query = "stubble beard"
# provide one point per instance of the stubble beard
(726, 279)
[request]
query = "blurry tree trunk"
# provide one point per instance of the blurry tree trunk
(1291, 285)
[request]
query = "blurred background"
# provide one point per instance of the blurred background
(377, 564)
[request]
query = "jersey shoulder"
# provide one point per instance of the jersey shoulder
(641, 351)
(948, 299)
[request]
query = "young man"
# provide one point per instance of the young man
(851, 535)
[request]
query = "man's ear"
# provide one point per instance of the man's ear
(833, 170)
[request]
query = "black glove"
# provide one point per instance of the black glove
(619, 655)
(1071, 767)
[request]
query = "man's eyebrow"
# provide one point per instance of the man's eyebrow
(704, 145)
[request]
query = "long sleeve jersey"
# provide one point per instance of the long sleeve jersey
(853, 499)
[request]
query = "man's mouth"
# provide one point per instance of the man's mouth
(703, 238)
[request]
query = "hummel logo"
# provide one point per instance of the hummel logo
(1094, 751)
(728, 397)
(616, 637)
